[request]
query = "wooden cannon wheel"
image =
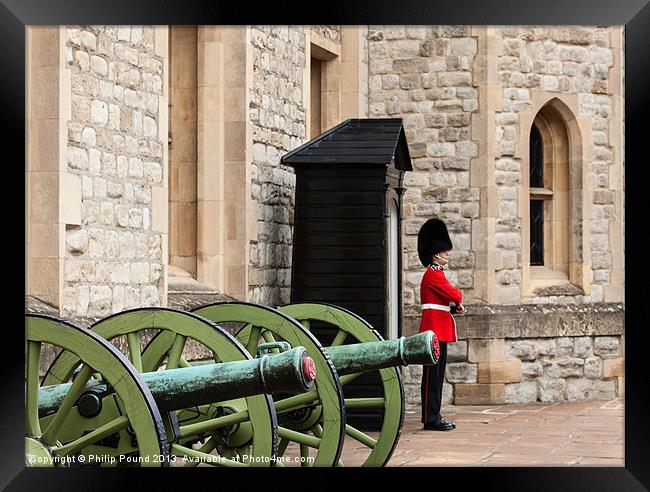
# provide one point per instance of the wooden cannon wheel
(241, 431)
(313, 420)
(58, 439)
(353, 328)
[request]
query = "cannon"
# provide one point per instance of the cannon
(102, 410)
(176, 389)
(256, 427)
(316, 420)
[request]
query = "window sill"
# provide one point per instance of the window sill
(544, 282)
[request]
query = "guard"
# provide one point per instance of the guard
(439, 301)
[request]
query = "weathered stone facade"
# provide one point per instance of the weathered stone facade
(114, 261)
(424, 75)
(278, 114)
(564, 60)
(332, 33)
(546, 353)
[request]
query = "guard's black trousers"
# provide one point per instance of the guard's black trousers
(431, 388)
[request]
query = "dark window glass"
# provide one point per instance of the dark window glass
(536, 232)
(536, 159)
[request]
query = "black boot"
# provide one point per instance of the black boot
(438, 425)
(443, 421)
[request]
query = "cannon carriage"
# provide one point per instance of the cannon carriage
(269, 391)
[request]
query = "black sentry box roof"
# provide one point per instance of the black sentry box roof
(356, 141)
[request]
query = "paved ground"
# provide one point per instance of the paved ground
(581, 433)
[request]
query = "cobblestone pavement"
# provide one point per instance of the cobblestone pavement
(567, 434)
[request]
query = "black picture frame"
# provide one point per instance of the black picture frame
(15, 15)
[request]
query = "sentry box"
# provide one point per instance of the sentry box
(347, 223)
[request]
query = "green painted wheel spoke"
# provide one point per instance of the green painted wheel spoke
(52, 431)
(133, 341)
(107, 429)
(175, 352)
(365, 402)
(183, 363)
(32, 424)
(339, 338)
(282, 446)
(268, 336)
(253, 339)
(304, 455)
(317, 430)
(356, 434)
(299, 437)
(207, 448)
(212, 424)
(292, 402)
(205, 457)
(350, 377)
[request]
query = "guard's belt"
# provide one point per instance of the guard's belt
(439, 307)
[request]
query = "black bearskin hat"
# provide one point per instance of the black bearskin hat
(433, 238)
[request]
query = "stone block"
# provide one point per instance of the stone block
(524, 392)
(454, 79)
(486, 350)
(150, 296)
(410, 65)
(620, 386)
(525, 350)
(461, 372)
(412, 394)
(530, 370)
(593, 367)
(120, 273)
(562, 367)
(412, 374)
(614, 367)
(99, 112)
(607, 346)
(590, 389)
(564, 346)
(447, 394)
(479, 394)
(500, 372)
(77, 241)
(582, 347)
(457, 351)
(101, 298)
(551, 390)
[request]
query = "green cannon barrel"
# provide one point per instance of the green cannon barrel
(359, 357)
(289, 371)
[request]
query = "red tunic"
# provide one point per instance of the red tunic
(436, 289)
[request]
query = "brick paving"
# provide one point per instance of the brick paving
(558, 434)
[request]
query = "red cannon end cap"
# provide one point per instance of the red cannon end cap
(309, 368)
(436, 347)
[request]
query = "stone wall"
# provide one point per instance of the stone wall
(423, 74)
(277, 112)
(573, 60)
(114, 260)
(557, 353)
(333, 33)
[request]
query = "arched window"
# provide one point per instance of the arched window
(553, 219)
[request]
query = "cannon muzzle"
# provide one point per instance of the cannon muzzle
(289, 371)
(359, 357)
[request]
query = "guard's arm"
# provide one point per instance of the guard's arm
(444, 289)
